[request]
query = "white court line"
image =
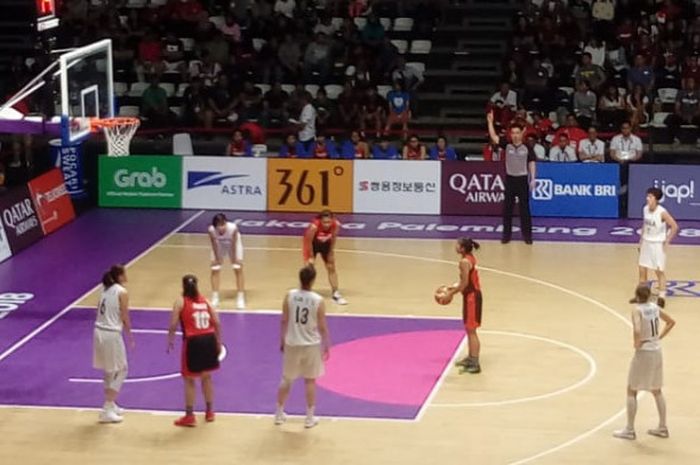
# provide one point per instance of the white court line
(257, 416)
(17, 345)
(441, 379)
(592, 369)
(279, 312)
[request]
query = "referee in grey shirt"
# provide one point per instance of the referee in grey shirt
(520, 161)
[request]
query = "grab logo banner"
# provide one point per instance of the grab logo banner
(472, 188)
(52, 201)
(140, 181)
(19, 217)
(387, 186)
(219, 183)
(583, 190)
(679, 183)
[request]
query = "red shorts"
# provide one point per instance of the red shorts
(471, 310)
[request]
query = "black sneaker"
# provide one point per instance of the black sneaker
(473, 368)
(505, 240)
(464, 363)
(528, 241)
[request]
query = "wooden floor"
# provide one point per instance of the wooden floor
(556, 347)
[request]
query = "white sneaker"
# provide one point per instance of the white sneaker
(659, 432)
(215, 301)
(625, 434)
(110, 416)
(339, 299)
(280, 418)
(118, 410)
(310, 422)
(240, 301)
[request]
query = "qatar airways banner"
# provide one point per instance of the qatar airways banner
(472, 188)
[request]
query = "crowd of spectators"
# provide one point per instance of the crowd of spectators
(607, 66)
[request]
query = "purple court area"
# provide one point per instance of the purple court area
(379, 367)
(448, 227)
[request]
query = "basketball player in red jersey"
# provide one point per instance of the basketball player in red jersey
(470, 288)
(201, 346)
(320, 238)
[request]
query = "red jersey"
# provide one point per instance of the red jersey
(320, 151)
(196, 317)
(473, 284)
(321, 235)
(574, 134)
(413, 153)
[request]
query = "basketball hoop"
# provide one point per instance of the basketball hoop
(118, 132)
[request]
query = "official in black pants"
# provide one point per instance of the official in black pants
(521, 171)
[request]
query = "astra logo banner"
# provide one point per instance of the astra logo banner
(679, 183)
(576, 190)
(224, 183)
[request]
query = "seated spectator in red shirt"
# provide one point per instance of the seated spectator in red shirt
(691, 69)
(373, 112)
(239, 147)
(357, 8)
(355, 147)
(504, 103)
(182, 15)
(493, 153)
(542, 124)
(414, 150)
(572, 131)
(292, 148)
(626, 33)
(253, 132)
(150, 60)
(323, 148)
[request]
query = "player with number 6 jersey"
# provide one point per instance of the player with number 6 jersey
(201, 346)
(304, 342)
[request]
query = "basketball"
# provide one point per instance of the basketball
(441, 296)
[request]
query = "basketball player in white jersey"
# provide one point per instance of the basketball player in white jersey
(646, 369)
(226, 242)
(109, 354)
(658, 230)
(304, 342)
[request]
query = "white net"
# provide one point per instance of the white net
(119, 132)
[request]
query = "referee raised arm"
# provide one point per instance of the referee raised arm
(520, 161)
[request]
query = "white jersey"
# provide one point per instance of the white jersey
(646, 319)
(109, 316)
(302, 329)
(654, 225)
(224, 240)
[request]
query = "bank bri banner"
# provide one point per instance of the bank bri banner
(583, 190)
(679, 183)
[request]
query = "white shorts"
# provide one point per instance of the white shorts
(302, 362)
(652, 256)
(235, 255)
(646, 370)
(109, 353)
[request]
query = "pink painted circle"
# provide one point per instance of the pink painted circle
(397, 368)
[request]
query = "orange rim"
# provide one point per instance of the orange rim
(98, 123)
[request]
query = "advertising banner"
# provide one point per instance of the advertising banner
(69, 158)
(679, 184)
(51, 200)
(224, 183)
(309, 185)
(472, 188)
(5, 251)
(140, 181)
(22, 224)
(579, 190)
(386, 186)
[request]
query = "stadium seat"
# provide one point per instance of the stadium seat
(182, 144)
(401, 45)
(419, 65)
(668, 95)
(259, 150)
(421, 47)
(360, 22)
(622, 91)
(333, 91)
(264, 88)
(187, 43)
(218, 21)
(120, 88)
(129, 110)
(136, 3)
(337, 23)
(569, 90)
(312, 89)
(168, 87)
(181, 88)
(403, 25)
(137, 89)
(157, 3)
(258, 44)
(659, 119)
(288, 88)
(383, 90)
(178, 110)
(386, 23)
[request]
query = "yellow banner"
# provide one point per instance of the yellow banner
(309, 185)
